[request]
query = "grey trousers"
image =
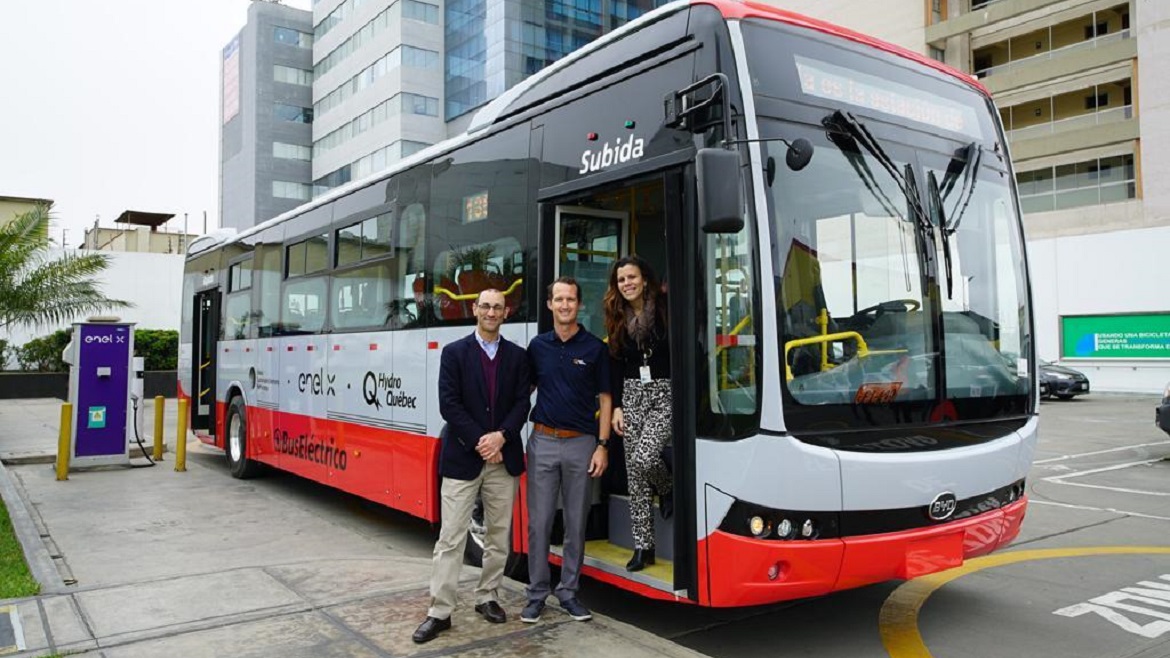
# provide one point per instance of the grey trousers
(498, 490)
(557, 465)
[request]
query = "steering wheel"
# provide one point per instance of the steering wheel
(892, 306)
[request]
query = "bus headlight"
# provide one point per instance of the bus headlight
(784, 529)
(757, 526)
(807, 529)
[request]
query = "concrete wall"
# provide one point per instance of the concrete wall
(153, 282)
(1106, 273)
(902, 23)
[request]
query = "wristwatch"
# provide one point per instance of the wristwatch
(604, 443)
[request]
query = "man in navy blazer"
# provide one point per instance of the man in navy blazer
(484, 393)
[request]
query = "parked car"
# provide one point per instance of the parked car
(1162, 411)
(1061, 381)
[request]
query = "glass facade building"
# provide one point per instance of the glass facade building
(491, 45)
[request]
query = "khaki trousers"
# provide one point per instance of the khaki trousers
(498, 490)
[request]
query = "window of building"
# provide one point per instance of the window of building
(291, 37)
(293, 113)
(293, 76)
(420, 11)
(418, 104)
(938, 54)
(419, 58)
(282, 189)
(291, 151)
(1088, 183)
(1095, 101)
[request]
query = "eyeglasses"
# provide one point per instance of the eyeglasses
(494, 308)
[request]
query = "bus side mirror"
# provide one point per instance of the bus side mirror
(719, 190)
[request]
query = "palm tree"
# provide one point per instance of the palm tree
(39, 289)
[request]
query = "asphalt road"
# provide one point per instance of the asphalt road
(1089, 576)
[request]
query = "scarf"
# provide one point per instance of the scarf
(640, 326)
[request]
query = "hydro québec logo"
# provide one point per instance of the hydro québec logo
(619, 153)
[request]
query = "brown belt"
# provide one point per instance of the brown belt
(555, 433)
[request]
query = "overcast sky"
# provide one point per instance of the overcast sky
(112, 105)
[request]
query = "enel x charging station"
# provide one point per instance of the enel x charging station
(101, 383)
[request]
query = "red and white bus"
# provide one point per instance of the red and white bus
(836, 221)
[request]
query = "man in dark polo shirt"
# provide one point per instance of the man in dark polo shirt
(570, 368)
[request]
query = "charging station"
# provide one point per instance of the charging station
(101, 386)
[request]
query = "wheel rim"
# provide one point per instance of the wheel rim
(235, 441)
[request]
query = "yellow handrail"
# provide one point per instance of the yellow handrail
(862, 348)
(473, 295)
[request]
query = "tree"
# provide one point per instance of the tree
(37, 288)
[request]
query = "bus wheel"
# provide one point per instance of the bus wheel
(237, 442)
(516, 566)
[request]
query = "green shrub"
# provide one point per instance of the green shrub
(44, 354)
(160, 348)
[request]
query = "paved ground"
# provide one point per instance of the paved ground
(151, 562)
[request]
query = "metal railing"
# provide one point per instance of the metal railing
(1090, 44)
(1114, 115)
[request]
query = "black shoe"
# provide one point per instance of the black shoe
(575, 610)
(642, 557)
(492, 612)
(430, 629)
(666, 505)
(531, 612)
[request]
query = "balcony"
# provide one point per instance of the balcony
(1078, 123)
(1089, 45)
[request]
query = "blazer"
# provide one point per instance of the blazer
(464, 404)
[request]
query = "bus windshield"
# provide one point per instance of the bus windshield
(901, 287)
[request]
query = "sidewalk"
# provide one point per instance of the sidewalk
(149, 562)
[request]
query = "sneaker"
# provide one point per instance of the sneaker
(577, 611)
(531, 613)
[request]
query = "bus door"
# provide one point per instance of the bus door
(204, 344)
(588, 241)
(588, 233)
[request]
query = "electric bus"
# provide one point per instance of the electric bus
(835, 220)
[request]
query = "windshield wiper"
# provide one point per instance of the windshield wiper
(965, 163)
(847, 133)
(943, 229)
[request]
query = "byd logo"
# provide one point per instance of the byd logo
(942, 507)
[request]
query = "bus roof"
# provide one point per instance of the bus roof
(490, 113)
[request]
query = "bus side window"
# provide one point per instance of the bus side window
(478, 226)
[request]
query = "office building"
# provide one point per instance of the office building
(393, 77)
(266, 115)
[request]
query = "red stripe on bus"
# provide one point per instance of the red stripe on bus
(726, 340)
(269, 349)
(309, 348)
(337, 348)
(432, 345)
(373, 347)
(290, 348)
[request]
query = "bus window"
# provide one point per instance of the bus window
(303, 311)
(267, 277)
(364, 298)
(479, 217)
(731, 396)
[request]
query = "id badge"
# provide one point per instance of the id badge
(644, 374)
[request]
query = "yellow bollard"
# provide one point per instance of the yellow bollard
(181, 438)
(159, 407)
(63, 442)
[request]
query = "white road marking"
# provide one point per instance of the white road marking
(1059, 479)
(1109, 606)
(1100, 452)
(1113, 510)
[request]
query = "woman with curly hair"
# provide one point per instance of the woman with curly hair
(639, 347)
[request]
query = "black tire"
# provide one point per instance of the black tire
(236, 441)
(516, 566)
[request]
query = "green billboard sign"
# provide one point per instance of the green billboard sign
(1137, 336)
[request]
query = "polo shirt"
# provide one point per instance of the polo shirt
(568, 375)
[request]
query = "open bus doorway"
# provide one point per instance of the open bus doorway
(203, 363)
(587, 234)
